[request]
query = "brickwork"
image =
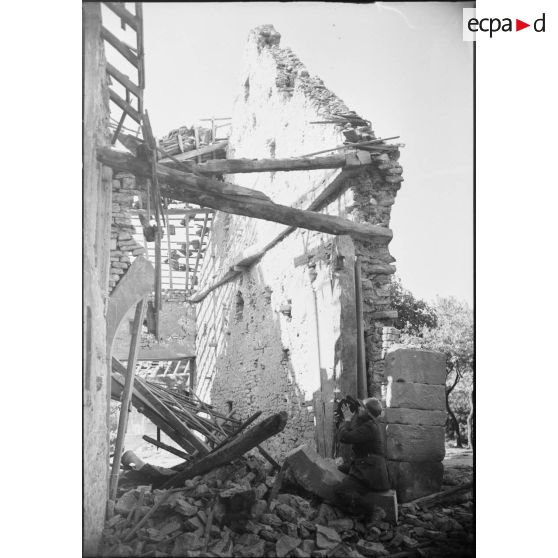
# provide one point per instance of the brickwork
(278, 337)
(124, 247)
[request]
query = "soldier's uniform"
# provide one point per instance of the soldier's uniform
(368, 469)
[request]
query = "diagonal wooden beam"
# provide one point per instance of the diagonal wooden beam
(231, 198)
(124, 49)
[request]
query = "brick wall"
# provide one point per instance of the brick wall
(282, 335)
(124, 248)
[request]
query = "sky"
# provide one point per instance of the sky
(403, 66)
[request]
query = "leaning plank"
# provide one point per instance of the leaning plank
(236, 448)
(123, 105)
(126, 398)
(232, 166)
(241, 201)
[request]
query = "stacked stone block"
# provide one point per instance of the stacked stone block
(123, 247)
(415, 416)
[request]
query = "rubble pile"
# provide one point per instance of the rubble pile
(231, 512)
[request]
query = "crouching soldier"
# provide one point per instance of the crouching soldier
(367, 470)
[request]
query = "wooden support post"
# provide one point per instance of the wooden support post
(198, 255)
(169, 249)
(187, 272)
(362, 383)
(126, 398)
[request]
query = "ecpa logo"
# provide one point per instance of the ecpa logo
(492, 25)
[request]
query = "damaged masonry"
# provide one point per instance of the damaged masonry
(236, 288)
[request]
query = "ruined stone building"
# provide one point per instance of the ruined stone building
(279, 318)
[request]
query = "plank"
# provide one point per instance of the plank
(125, 50)
(123, 79)
(123, 105)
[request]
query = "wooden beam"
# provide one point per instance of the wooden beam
(232, 166)
(122, 104)
(231, 198)
(233, 450)
(198, 152)
(124, 49)
(123, 79)
(253, 255)
(362, 384)
(126, 398)
(123, 14)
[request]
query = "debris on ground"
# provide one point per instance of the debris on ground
(229, 512)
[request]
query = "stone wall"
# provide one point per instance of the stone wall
(123, 247)
(96, 234)
(282, 335)
(415, 416)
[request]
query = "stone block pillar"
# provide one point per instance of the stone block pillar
(414, 417)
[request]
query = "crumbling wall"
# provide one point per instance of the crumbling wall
(123, 246)
(282, 335)
(96, 235)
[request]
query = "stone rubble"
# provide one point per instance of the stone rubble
(220, 515)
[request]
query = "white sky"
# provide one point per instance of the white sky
(404, 66)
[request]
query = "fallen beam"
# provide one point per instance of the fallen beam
(236, 448)
(232, 166)
(230, 198)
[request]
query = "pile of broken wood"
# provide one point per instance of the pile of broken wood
(233, 511)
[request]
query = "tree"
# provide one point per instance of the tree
(445, 326)
(453, 336)
(414, 314)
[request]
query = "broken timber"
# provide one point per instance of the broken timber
(230, 198)
(233, 450)
(159, 414)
